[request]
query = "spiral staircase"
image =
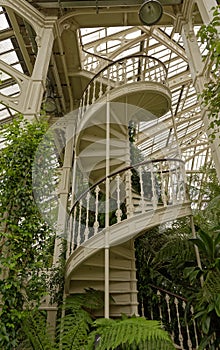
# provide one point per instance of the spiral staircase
(113, 201)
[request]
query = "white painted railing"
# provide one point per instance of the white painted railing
(177, 317)
(131, 69)
(134, 190)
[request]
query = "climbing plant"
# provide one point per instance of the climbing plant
(209, 35)
(26, 241)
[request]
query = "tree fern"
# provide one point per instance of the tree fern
(132, 333)
(38, 336)
(73, 328)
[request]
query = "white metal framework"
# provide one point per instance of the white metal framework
(63, 56)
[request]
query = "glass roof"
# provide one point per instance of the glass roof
(178, 133)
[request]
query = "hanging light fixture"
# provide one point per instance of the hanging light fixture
(150, 12)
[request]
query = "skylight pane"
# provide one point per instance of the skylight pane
(3, 22)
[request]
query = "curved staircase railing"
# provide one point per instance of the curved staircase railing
(135, 68)
(136, 189)
(176, 314)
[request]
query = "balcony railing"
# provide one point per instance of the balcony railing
(131, 69)
(134, 190)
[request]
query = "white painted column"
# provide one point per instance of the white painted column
(197, 70)
(205, 9)
(28, 102)
(64, 185)
(107, 208)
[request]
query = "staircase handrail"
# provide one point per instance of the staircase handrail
(120, 60)
(123, 71)
(168, 292)
(121, 171)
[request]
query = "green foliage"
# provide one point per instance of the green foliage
(161, 255)
(25, 239)
(166, 259)
(130, 333)
(37, 335)
(206, 299)
(74, 327)
(209, 34)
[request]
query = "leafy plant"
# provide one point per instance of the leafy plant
(129, 333)
(209, 34)
(25, 239)
(207, 299)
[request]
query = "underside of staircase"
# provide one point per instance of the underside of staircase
(122, 281)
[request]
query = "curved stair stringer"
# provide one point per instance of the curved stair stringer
(85, 267)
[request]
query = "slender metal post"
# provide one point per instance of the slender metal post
(107, 208)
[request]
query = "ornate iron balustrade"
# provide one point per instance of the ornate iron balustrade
(176, 315)
(131, 69)
(134, 190)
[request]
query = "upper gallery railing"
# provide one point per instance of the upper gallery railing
(133, 190)
(137, 68)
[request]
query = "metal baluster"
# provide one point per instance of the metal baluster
(183, 187)
(133, 69)
(142, 307)
(88, 97)
(171, 185)
(141, 69)
(118, 211)
(117, 74)
(180, 184)
(163, 191)
(86, 233)
(159, 305)
(144, 67)
(124, 74)
(142, 203)
(128, 191)
(108, 78)
(154, 192)
(83, 103)
(176, 302)
(96, 223)
(189, 342)
(167, 298)
(194, 326)
(74, 229)
(101, 86)
(69, 226)
(79, 224)
(94, 91)
(151, 313)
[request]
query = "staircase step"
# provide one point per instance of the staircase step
(94, 273)
(115, 286)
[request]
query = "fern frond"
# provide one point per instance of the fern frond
(37, 333)
(73, 328)
(129, 333)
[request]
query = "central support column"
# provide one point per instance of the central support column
(107, 208)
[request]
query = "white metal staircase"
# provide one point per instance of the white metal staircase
(114, 202)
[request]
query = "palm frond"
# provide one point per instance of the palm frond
(177, 249)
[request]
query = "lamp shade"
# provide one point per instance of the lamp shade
(150, 12)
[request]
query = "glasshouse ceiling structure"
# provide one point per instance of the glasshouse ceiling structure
(91, 34)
